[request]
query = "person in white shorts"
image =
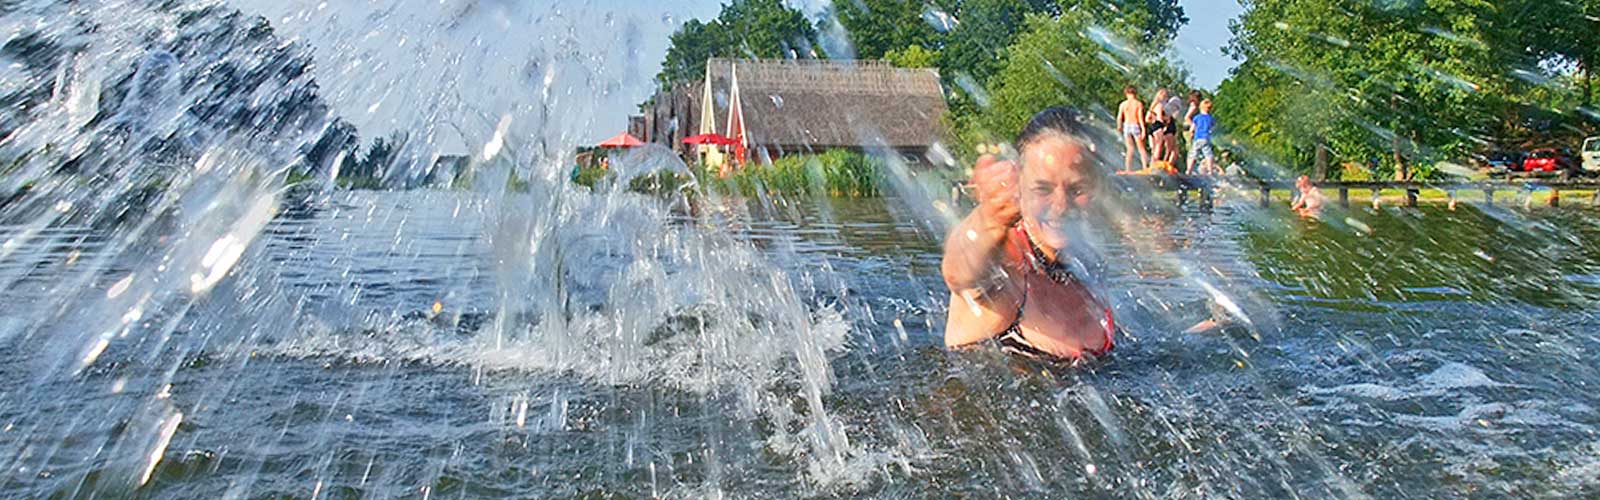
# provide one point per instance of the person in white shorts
(1130, 119)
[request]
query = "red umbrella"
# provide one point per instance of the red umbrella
(623, 140)
(715, 139)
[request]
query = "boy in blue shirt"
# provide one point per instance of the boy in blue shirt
(1200, 147)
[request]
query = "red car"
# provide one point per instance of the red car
(1547, 160)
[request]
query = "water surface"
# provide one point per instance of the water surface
(1387, 353)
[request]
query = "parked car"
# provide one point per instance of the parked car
(1501, 162)
(1591, 156)
(1548, 160)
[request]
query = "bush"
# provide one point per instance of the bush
(587, 176)
(834, 173)
(1354, 172)
(297, 176)
(837, 173)
(660, 182)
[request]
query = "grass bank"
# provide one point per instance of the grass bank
(834, 173)
(1575, 197)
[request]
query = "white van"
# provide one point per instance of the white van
(1591, 156)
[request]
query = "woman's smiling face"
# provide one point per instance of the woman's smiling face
(1056, 185)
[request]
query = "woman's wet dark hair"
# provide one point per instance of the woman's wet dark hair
(1061, 121)
(1054, 120)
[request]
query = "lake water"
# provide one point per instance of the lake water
(399, 344)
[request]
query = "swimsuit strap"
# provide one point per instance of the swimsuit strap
(1111, 326)
(1023, 245)
(1033, 257)
(1034, 261)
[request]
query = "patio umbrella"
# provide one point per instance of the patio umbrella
(623, 140)
(714, 139)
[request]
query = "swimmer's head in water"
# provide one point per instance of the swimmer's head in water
(1058, 178)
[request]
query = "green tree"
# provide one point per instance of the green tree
(1158, 21)
(1279, 120)
(690, 47)
(1549, 48)
(878, 27)
(1054, 63)
(767, 29)
(1413, 78)
(912, 57)
(1562, 32)
(976, 47)
(744, 29)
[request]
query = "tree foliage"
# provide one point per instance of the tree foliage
(913, 56)
(766, 29)
(1166, 17)
(1263, 110)
(1053, 62)
(1399, 84)
(1562, 32)
(879, 27)
(976, 47)
(690, 47)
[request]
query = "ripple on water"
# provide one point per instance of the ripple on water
(1457, 376)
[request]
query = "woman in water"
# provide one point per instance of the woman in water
(1004, 263)
(1308, 203)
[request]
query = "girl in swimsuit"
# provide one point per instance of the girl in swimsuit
(1159, 125)
(1004, 263)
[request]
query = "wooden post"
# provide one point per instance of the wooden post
(1411, 197)
(1207, 197)
(1596, 199)
(1555, 197)
(1266, 196)
(1488, 196)
(1344, 196)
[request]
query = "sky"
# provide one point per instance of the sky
(552, 73)
(1199, 43)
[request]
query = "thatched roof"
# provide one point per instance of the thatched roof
(821, 104)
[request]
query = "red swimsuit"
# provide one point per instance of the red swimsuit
(1022, 248)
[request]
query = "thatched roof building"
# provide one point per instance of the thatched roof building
(781, 107)
(669, 117)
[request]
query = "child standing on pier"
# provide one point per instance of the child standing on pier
(1200, 149)
(1130, 120)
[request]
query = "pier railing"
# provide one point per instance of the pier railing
(1207, 185)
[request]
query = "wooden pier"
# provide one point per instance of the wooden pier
(1205, 188)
